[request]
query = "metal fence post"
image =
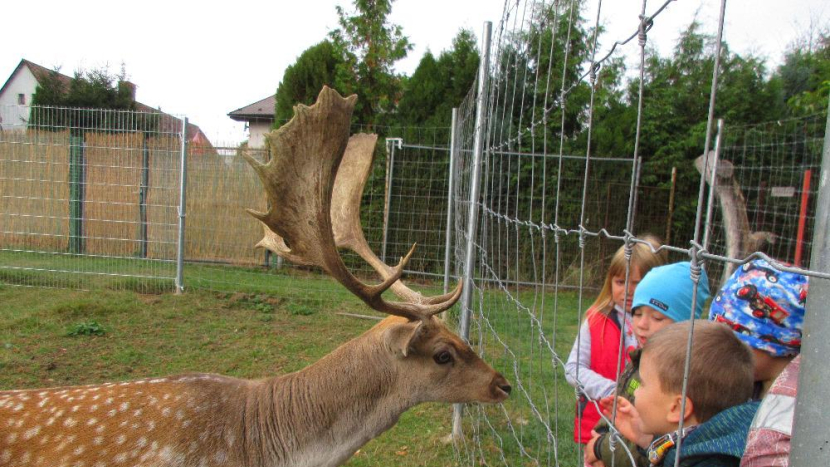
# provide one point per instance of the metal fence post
(144, 186)
(390, 167)
(182, 206)
(475, 191)
(450, 189)
(77, 188)
(810, 437)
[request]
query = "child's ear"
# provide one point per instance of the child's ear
(674, 411)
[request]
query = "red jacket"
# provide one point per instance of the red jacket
(605, 352)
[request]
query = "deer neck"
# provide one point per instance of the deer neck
(336, 405)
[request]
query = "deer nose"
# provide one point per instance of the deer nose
(501, 382)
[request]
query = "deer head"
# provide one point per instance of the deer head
(438, 366)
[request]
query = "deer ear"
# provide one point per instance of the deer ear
(400, 337)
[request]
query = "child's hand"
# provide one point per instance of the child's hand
(606, 404)
(628, 420)
(590, 458)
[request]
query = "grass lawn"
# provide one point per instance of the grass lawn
(281, 323)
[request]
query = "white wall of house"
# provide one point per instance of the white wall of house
(257, 132)
(13, 114)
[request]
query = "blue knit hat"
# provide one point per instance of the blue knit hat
(668, 289)
(764, 307)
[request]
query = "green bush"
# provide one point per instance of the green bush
(90, 328)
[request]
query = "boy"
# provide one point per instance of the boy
(765, 309)
(717, 417)
(663, 297)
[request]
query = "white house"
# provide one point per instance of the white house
(16, 94)
(259, 117)
(16, 100)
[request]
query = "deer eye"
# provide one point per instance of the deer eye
(443, 357)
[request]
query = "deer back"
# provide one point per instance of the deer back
(172, 421)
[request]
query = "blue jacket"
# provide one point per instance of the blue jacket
(720, 441)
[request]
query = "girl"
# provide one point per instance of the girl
(595, 353)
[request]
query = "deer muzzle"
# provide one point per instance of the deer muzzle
(500, 388)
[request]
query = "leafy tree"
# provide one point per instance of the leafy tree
(676, 107)
(804, 77)
(422, 92)
(437, 86)
(531, 70)
(302, 81)
(370, 46)
(558, 38)
(51, 89)
(93, 89)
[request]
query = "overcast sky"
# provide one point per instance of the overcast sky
(205, 59)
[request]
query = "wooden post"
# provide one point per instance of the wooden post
(671, 204)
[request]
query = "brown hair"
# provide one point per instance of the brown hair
(721, 372)
(642, 258)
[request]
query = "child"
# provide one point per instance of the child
(663, 297)
(595, 354)
(765, 309)
(717, 415)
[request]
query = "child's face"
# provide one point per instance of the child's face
(618, 288)
(646, 321)
(652, 403)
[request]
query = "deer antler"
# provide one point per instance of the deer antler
(345, 214)
(300, 182)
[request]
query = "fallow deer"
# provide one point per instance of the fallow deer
(316, 417)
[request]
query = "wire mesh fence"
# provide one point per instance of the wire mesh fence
(89, 198)
(550, 216)
(113, 195)
(775, 176)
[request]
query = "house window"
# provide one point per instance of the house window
(21, 99)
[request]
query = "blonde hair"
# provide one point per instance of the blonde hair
(642, 258)
(712, 388)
